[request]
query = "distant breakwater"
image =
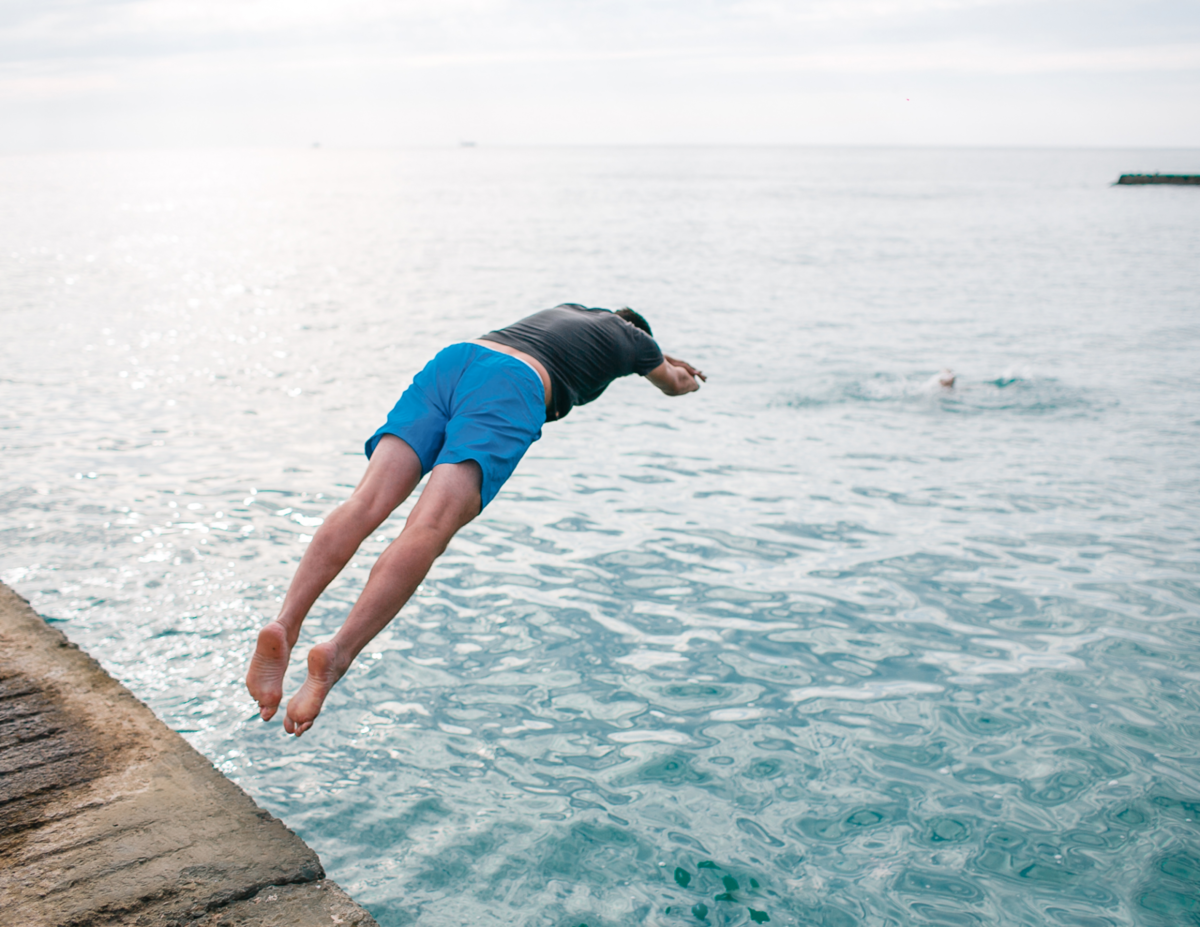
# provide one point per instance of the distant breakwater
(1159, 178)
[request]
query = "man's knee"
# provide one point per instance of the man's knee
(368, 510)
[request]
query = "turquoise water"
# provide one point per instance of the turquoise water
(824, 643)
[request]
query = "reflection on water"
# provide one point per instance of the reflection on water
(822, 644)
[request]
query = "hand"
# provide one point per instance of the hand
(674, 361)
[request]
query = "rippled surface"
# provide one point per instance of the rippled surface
(821, 644)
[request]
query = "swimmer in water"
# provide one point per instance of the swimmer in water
(946, 378)
(466, 419)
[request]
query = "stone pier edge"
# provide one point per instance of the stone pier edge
(108, 817)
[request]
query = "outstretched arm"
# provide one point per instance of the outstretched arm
(698, 374)
(675, 377)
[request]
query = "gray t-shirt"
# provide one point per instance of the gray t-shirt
(582, 349)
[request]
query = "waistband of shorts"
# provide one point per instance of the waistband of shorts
(493, 352)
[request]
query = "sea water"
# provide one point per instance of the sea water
(823, 643)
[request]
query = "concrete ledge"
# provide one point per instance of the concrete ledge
(108, 817)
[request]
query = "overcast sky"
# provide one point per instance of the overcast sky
(352, 73)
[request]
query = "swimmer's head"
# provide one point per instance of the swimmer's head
(635, 319)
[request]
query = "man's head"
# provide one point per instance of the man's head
(635, 320)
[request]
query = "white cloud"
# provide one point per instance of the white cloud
(782, 11)
(968, 57)
(522, 70)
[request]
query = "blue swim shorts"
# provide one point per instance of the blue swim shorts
(470, 403)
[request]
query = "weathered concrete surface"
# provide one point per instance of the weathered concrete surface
(108, 817)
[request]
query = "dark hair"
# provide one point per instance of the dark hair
(634, 319)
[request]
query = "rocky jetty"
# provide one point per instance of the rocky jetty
(1159, 178)
(108, 817)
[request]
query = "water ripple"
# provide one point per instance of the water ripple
(823, 644)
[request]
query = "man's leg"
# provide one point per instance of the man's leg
(449, 501)
(391, 476)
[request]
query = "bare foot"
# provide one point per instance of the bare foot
(323, 672)
(264, 679)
